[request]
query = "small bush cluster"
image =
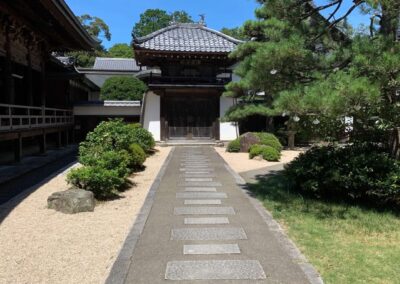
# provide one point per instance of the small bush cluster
(234, 146)
(269, 139)
(266, 152)
(362, 172)
(108, 155)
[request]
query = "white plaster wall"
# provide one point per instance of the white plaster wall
(151, 119)
(228, 130)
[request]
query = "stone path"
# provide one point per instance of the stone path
(202, 227)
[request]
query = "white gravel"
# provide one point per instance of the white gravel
(240, 162)
(38, 245)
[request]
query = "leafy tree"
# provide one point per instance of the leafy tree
(155, 19)
(123, 88)
(314, 71)
(120, 50)
(96, 27)
(237, 33)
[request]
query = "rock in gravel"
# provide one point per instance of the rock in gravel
(247, 140)
(72, 201)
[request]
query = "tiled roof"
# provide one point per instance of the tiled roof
(116, 64)
(187, 38)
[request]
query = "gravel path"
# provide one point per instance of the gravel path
(39, 245)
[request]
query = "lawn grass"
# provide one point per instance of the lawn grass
(345, 243)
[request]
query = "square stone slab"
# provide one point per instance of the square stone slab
(197, 170)
(198, 179)
(211, 249)
(202, 195)
(208, 234)
(206, 221)
(201, 184)
(204, 211)
(200, 189)
(215, 270)
(203, 202)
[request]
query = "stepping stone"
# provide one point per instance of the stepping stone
(197, 170)
(203, 202)
(193, 171)
(206, 221)
(202, 195)
(201, 189)
(198, 175)
(204, 211)
(201, 184)
(198, 179)
(215, 270)
(211, 249)
(195, 166)
(208, 234)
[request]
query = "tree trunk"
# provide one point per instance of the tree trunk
(395, 143)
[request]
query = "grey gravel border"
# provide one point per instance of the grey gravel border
(120, 268)
(288, 245)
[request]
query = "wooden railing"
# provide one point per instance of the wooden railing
(15, 117)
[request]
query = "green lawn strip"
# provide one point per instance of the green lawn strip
(346, 244)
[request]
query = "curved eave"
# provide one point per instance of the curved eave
(82, 38)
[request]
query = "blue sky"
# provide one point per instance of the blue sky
(120, 15)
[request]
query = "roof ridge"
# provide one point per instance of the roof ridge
(114, 58)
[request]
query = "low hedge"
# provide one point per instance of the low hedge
(363, 173)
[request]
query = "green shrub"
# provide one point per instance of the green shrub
(141, 136)
(112, 135)
(102, 182)
(271, 154)
(357, 172)
(267, 152)
(234, 146)
(137, 156)
(256, 150)
(269, 139)
(123, 88)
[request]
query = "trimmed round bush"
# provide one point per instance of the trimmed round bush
(123, 88)
(256, 150)
(266, 152)
(137, 156)
(141, 136)
(270, 139)
(270, 154)
(233, 146)
(102, 182)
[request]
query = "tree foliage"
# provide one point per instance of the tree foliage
(120, 50)
(236, 33)
(312, 70)
(123, 88)
(155, 19)
(97, 28)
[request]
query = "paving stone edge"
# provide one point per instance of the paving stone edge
(120, 268)
(288, 245)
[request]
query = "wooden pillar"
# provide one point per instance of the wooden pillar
(29, 78)
(43, 143)
(8, 68)
(67, 137)
(59, 139)
(18, 148)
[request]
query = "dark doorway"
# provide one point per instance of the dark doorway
(191, 116)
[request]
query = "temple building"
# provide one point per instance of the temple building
(37, 89)
(187, 69)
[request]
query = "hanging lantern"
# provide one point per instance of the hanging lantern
(296, 118)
